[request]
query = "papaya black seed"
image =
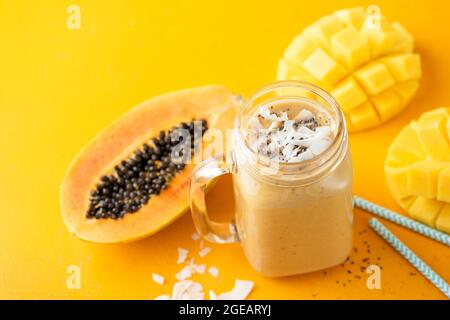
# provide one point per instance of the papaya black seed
(144, 174)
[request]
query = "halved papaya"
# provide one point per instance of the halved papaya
(214, 105)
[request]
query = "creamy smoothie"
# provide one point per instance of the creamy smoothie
(297, 218)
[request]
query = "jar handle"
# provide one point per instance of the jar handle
(201, 179)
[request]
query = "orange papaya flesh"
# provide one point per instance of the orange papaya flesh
(215, 104)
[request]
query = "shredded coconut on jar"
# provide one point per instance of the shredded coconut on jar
(289, 139)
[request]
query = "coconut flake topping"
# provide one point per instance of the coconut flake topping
(289, 139)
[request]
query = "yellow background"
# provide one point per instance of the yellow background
(59, 87)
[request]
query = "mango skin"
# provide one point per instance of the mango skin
(417, 168)
(214, 103)
(371, 71)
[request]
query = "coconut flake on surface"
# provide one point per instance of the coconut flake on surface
(195, 236)
(159, 279)
(182, 255)
(213, 271)
(163, 297)
(241, 290)
(212, 295)
(187, 290)
(190, 269)
(200, 268)
(185, 273)
(203, 252)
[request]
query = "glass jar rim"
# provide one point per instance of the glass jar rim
(295, 170)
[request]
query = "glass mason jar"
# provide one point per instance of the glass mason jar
(290, 218)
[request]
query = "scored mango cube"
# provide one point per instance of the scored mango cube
(300, 49)
(354, 17)
(349, 94)
(285, 69)
(443, 219)
(387, 103)
(397, 180)
(425, 210)
(321, 66)
(406, 90)
(322, 30)
(408, 140)
(404, 67)
(407, 202)
(423, 178)
(380, 41)
(435, 115)
(405, 41)
(448, 128)
(375, 77)
(364, 116)
(350, 47)
(443, 185)
(401, 156)
(433, 136)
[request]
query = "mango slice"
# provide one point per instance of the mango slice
(323, 68)
(443, 221)
(417, 168)
(425, 210)
(443, 190)
(371, 70)
(423, 178)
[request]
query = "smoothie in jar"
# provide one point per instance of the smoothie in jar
(294, 211)
(292, 179)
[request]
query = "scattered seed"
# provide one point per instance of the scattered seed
(145, 174)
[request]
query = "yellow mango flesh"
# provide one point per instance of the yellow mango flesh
(372, 72)
(423, 178)
(417, 168)
(425, 210)
(387, 104)
(443, 220)
(349, 95)
(350, 47)
(443, 185)
(323, 68)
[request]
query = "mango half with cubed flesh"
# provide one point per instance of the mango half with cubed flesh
(418, 168)
(369, 67)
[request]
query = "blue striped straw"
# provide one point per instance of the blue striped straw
(402, 220)
(412, 258)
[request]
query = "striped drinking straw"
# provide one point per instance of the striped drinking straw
(410, 256)
(402, 220)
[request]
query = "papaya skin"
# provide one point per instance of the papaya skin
(213, 103)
